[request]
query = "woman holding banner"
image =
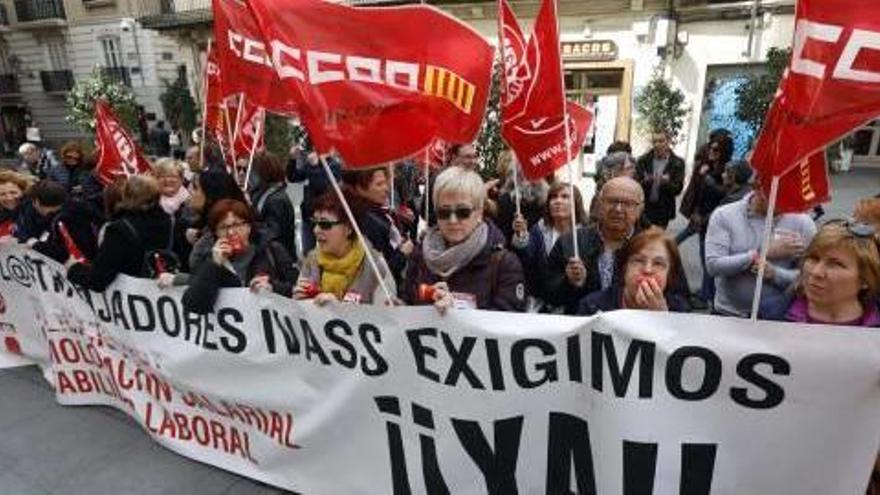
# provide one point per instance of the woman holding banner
(207, 188)
(462, 262)
(840, 277)
(337, 269)
(239, 258)
(140, 227)
(533, 245)
(644, 278)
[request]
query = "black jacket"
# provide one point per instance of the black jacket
(80, 219)
(317, 182)
(276, 212)
(494, 276)
(375, 223)
(123, 251)
(610, 298)
(270, 258)
(662, 211)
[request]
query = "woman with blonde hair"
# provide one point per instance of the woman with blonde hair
(840, 277)
(169, 173)
(140, 242)
(13, 187)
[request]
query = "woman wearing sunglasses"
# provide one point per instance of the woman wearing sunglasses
(240, 258)
(647, 266)
(462, 261)
(840, 277)
(338, 269)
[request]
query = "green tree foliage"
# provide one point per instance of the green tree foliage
(753, 98)
(178, 104)
(81, 101)
(489, 143)
(282, 133)
(661, 107)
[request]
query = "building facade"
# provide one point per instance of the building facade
(611, 49)
(48, 45)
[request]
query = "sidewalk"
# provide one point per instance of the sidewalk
(47, 448)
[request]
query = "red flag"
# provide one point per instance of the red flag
(379, 84)
(118, 153)
(517, 73)
(242, 55)
(250, 131)
(831, 87)
(803, 187)
(533, 103)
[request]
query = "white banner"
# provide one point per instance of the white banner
(354, 399)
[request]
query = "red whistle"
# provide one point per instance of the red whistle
(426, 293)
(71, 246)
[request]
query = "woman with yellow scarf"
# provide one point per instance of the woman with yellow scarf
(337, 269)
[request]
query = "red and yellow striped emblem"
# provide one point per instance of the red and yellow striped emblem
(448, 85)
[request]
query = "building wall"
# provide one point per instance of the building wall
(155, 58)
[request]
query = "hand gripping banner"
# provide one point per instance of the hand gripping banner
(349, 399)
(831, 87)
(377, 84)
(118, 153)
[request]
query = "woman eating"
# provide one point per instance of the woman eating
(239, 258)
(644, 278)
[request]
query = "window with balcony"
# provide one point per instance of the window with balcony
(39, 10)
(114, 66)
(59, 77)
(8, 78)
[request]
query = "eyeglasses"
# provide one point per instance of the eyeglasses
(460, 212)
(224, 229)
(621, 203)
(325, 224)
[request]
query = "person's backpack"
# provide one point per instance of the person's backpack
(157, 261)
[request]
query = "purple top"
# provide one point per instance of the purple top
(798, 312)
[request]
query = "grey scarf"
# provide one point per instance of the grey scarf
(443, 260)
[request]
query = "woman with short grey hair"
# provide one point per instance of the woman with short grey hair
(462, 262)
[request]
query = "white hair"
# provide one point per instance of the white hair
(168, 166)
(460, 180)
(26, 147)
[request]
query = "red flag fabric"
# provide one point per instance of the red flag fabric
(831, 87)
(539, 144)
(242, 55)
(533, 102)
(118, 153)
(803, 187)
(517, 76)
(250, 131)
(378, 84)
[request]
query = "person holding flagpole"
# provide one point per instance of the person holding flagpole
(733, 253)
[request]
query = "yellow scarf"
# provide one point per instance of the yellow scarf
(337, 274)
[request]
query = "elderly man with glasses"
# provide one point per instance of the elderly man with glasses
(572, 276)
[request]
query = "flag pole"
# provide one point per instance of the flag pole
(427, 193)
(515, 166)
(568, 157)
(257, 131)
(238, 119)
(765, 247)
(205, 109)
(229, 132)
(367, 250)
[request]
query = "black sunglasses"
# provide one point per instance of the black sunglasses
(460, 212)
(326, 224)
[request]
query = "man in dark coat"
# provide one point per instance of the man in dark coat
(47, 207)
(306, 167)
(661, 174)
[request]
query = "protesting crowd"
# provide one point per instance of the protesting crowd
(484, 244)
